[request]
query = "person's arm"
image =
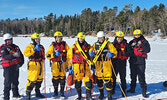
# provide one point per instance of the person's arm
(49, 54)
(5, 54)
(29, 51)
(146, 46)
(112, 49)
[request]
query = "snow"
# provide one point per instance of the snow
(156, 70)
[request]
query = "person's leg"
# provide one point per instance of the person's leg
(62, 86)
(55, 85)
(133, 75)
(15, 83)
(7, 83)
(114, 77)
(37, 89)
(100, 85)
(122, 73)
(78, 88)
(109, 87)
(141, 74)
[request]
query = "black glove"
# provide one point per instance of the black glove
(93, 68)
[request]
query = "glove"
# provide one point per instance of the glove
(139, 42)
(57, 53)
(16, 54)
(37, 47)
(133, 44)
(70, 70)
(66, 69)
(91, 54)
(110, 55)
(93, 68)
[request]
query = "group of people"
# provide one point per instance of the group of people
(104, 58)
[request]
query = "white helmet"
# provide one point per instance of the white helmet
(7, 36)
(100, 34)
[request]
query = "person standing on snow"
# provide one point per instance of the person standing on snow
(119, 62)
(80, 68)
(36, 54)
(103, 65)
(57, 53)
(140, 47)
(12, 59)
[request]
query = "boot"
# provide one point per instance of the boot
(113, 91)
(109, 95)
(123, 93)
(88, 95)
(16, 94)
(101, 94)
(144, 92)
(28, 95)
(6, 95)
(78, 88)
(131, 90)
(62, 92)
(38, 93)
(55, 92)
(79, 94)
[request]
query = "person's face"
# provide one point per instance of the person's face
(101, 39)
(37, 40)
(58, 39)
(81, 40)
(9, 41)
(119, 39)
(137, 36)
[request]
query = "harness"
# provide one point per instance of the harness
(101, 49)
(38, 56)
(138, 50)
(121, 49)
(63, 57)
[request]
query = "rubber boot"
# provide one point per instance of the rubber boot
(28, 95)
(6, 95)
(15, 93)
(144, 89)
(109, 95)
(55, 92)
(62, 92)
(131, 90)
(113, 91)
(123, 93)
(78, 88)
(88, 95)
(38, 93)
(101, 94)
(79, 94)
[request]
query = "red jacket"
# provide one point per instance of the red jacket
(7, 55)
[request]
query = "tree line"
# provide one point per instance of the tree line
(107, 20)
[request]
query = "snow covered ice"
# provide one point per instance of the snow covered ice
(156, 70)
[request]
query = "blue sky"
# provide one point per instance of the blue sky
(39, 8)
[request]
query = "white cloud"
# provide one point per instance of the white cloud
(22, 7)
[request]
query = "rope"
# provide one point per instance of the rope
(45, 80)
(118, 81)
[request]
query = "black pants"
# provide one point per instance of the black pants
(11, 76)
(137, 70)
(120, 67)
